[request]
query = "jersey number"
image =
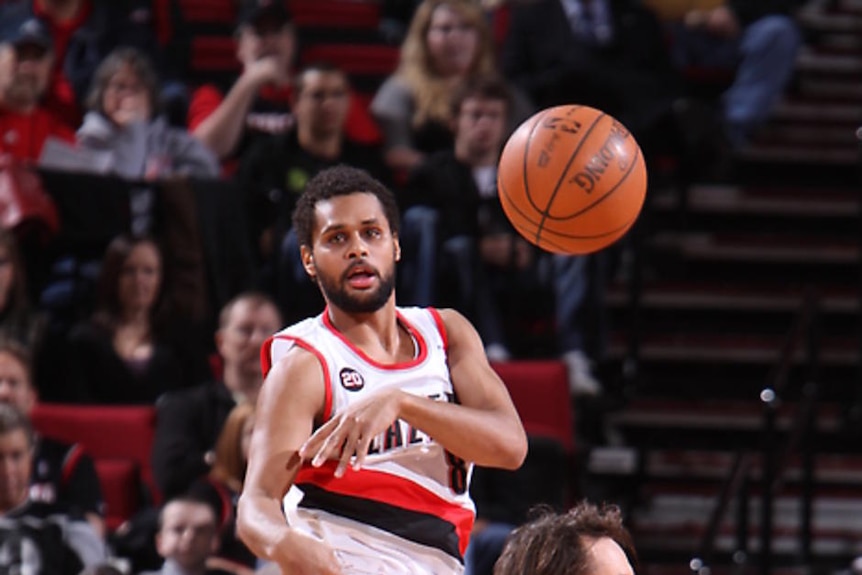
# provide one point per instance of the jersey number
(457, 473)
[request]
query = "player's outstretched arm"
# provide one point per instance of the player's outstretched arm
(483, 427)
(291, 398)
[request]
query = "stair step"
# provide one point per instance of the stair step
(733, 199)
(692, 296)
(831, 22)
(814, 156)
(818, 112)
(726, 247)
(811, 60)
(738, 349)
(832, 89)
(724, 415)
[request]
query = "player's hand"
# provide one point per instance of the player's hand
(351, 431)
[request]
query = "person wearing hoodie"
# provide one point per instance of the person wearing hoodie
(123, 123)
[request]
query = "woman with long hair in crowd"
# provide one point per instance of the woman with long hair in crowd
(132, 350)
(447, 42)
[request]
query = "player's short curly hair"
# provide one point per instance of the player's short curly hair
(341, 180)
(559, 543)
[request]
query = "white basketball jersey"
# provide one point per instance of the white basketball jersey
(408, 510)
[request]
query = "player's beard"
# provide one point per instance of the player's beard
(336, 292)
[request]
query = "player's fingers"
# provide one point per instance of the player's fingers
(347, 451)
(361, 452)
(313, 443)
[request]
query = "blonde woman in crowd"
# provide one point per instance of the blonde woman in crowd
(447, 42)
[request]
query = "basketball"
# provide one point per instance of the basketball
(572, 179)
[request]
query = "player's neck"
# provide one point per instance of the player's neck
(378, 334)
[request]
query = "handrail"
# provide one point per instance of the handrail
(736, 483)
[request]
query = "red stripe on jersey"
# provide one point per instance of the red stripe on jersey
(391, 490)
(420, 341)
(441, 327)
(266, 355)
(266, 364)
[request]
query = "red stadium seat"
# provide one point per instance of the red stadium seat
(335, 14)
(118, 438)
(120, 480)
(355, 59)
(540, 391)
(214, 54)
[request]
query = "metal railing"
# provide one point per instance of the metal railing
(775, 453)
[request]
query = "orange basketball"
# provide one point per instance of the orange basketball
(572, 179)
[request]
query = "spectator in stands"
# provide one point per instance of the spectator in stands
(491, 264)
(758, 41)
(258, 103)
(274, 172)
(188, 422)
(36, 537)
(123, 122)
(62, 474)
(448, 41)
(585, 540)
(187, 537)
(223, 486)
(614, 59)
(26, 54)
(84, 32)
(132, 350)
(18, 320)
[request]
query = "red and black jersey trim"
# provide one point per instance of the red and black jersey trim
(422, 528)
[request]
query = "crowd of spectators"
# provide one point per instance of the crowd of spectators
(83, 87)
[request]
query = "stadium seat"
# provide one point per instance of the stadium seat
(335, 14)
(119, 439)
(540, 391)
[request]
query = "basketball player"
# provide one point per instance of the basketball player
(352, 400)
(586, 540)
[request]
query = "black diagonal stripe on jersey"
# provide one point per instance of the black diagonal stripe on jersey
(418, 527)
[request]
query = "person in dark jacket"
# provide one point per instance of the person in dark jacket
(757, 42)
(608, 54)
(188, 422)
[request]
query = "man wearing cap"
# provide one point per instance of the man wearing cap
(259, 101)
(83, 32)
(26, 57)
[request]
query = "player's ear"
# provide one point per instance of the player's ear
(397, 248)
(308, 261)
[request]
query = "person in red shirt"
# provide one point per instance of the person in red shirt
(26, 59)
(83, 33)
(259, 100)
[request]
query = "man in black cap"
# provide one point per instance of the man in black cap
(26, 58)
(259, 100)
(84, 32)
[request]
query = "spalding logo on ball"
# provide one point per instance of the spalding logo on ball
(572, 179)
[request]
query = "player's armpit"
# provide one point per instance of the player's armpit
(292, 396)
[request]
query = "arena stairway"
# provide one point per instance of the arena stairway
(726, 266)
